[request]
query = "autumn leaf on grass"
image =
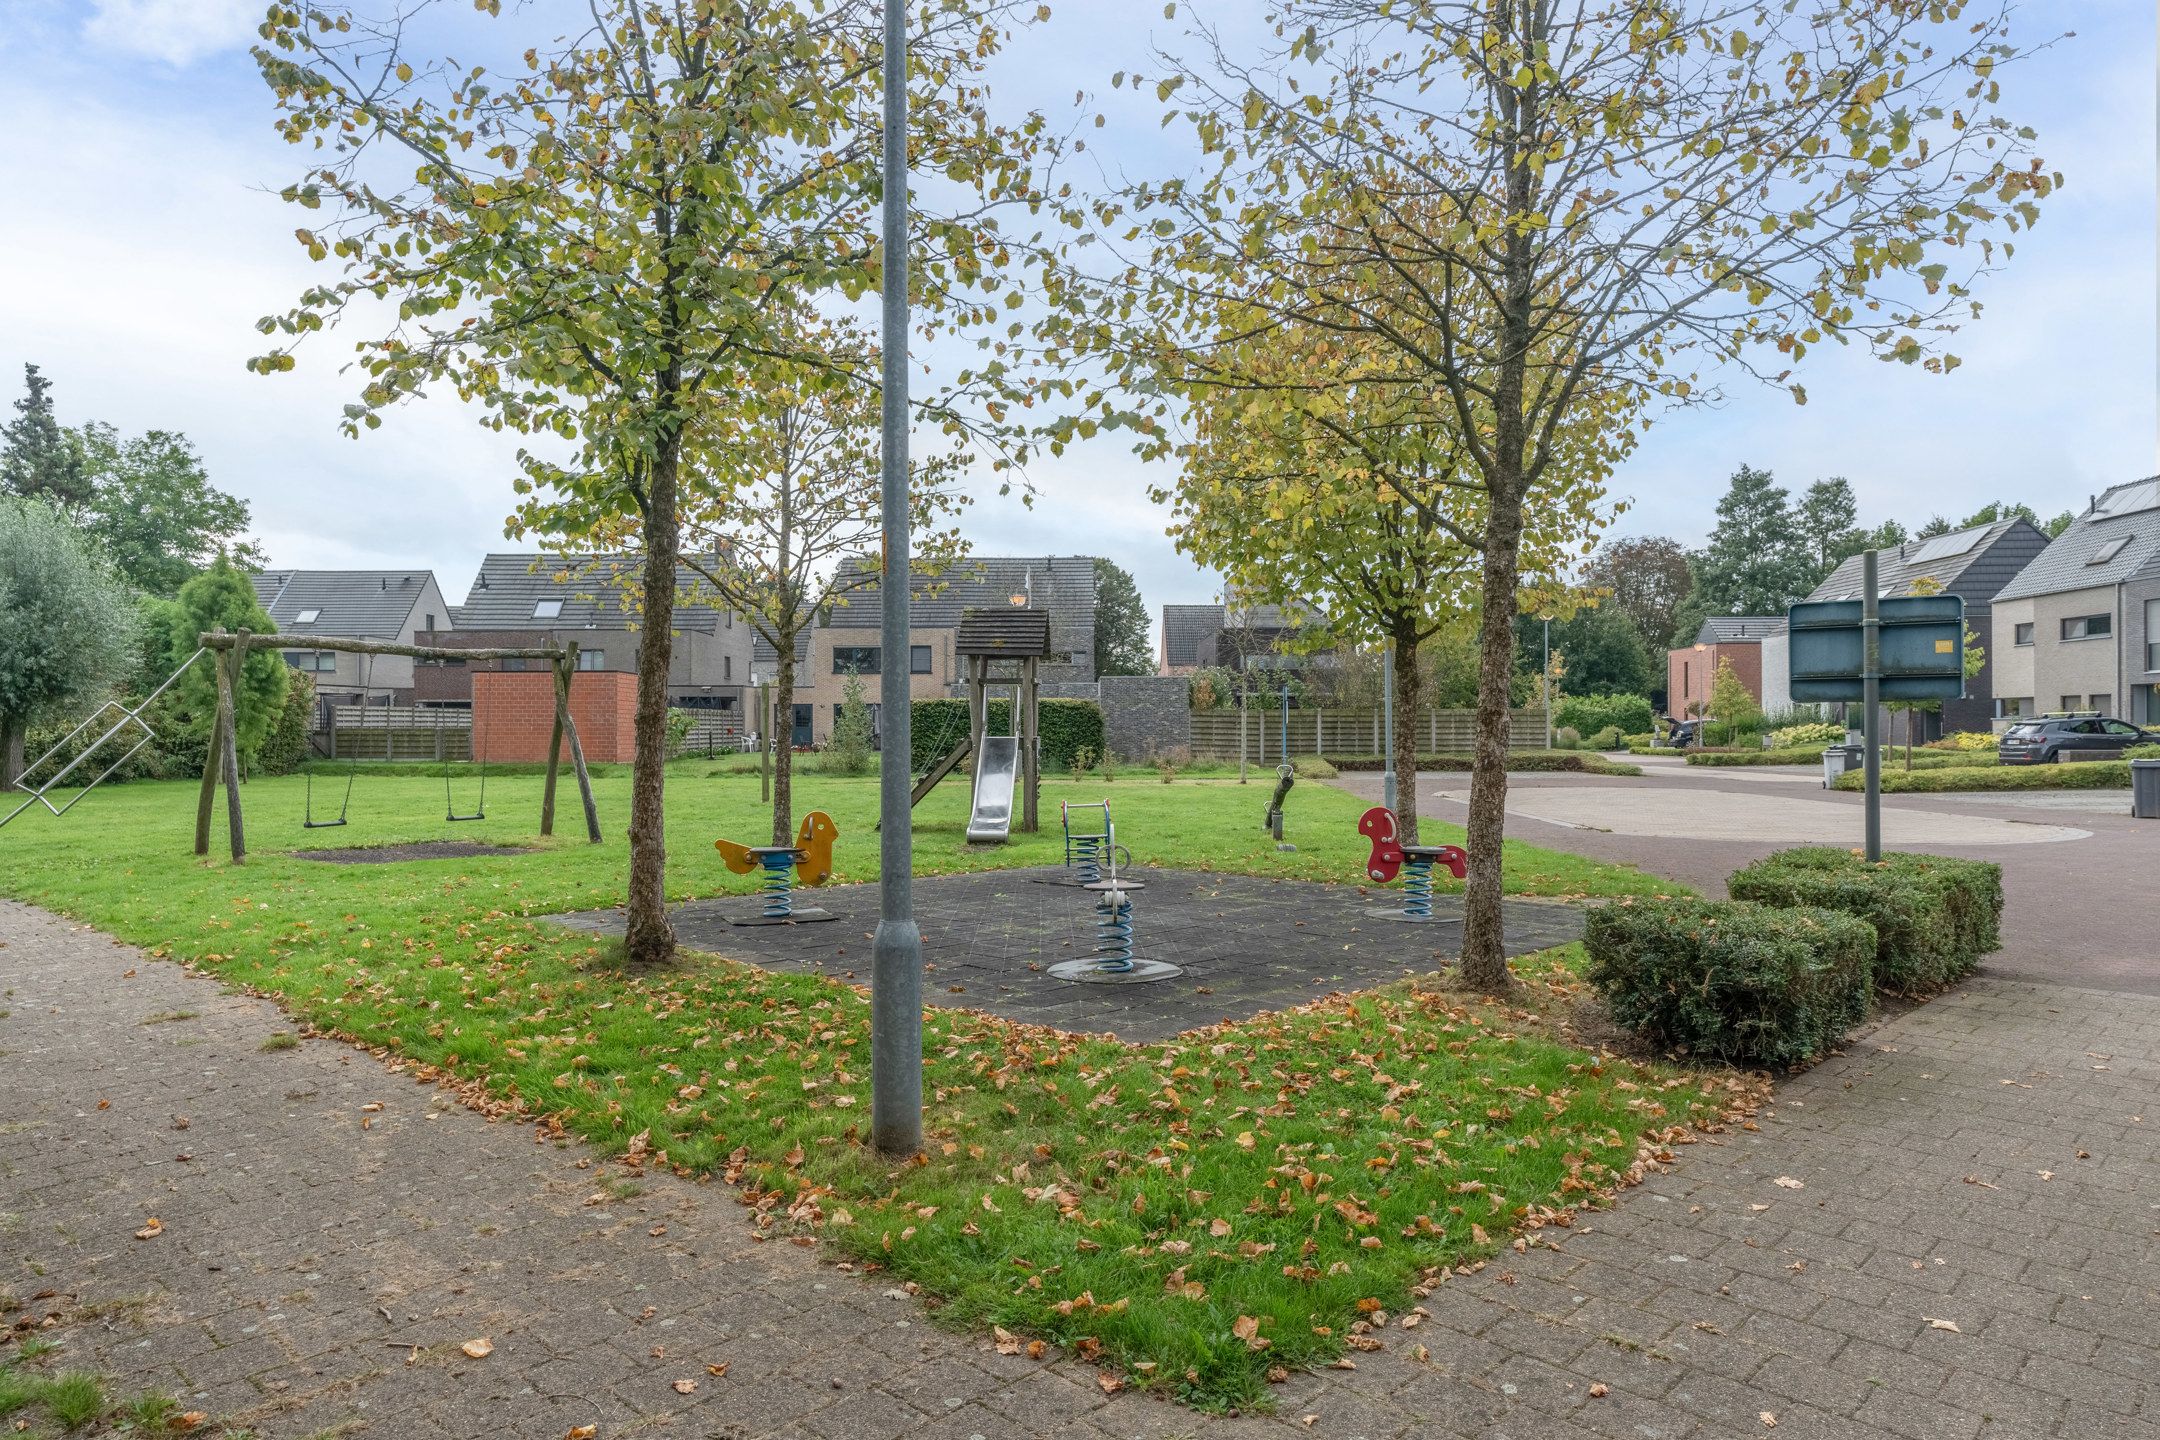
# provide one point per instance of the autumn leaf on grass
(1247, 1328)
(151, 1231)
(479, 1349)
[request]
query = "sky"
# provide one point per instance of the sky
(141, 239)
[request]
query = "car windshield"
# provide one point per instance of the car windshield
(2023, 732)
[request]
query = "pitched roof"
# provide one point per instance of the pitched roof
(1738, 629)
(2086, 555)
(587, 592)
(1943, 558)
(1184, 627)
(1062, 584)
(356, 604)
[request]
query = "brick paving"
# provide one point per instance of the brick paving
(1985, 1162)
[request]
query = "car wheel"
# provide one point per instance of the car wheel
(2050, 757)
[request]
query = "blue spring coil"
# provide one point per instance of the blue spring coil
(1113, 933)
(1417, 888)
(1086, 852)
(779, 887)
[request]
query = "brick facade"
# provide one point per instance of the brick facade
(514, 713)
(1689, 671)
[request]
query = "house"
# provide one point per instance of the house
(524, 599)
(1184, 629)
(1735, 638)
(1974, 564)
(2079, 627)
(393, 605)
(846, 640)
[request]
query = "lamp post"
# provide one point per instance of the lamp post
(1548, 680)
(1387, 727)
(896, 949)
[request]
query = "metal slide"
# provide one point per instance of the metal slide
(992, 820)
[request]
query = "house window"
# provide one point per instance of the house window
(2022, 634)
(2010, 707)
(727, 667)
(918, 659)
(547, 609)
(430, 623)
(2102, 703)
(2109, 549)
(2152, 635)
(315, 662)
(854, 659)
(592, 659)
(307, 617)
(2087, 627)
(2071, 704)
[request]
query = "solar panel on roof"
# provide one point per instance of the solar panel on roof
(2143, 496)
(1943, 547)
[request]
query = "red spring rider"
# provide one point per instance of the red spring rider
(1390, 857)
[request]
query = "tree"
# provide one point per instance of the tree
(223, 598)
(2006, 510)
(782, 517)
(1828, 519)
(1574, 202)
(1122, 629)
(154, 509)
(611, 247)
(851, 734)
(1606, 654)
(67, 625)
(1758, 560)
(1647, 577)
(36, 460)
(1731, 705)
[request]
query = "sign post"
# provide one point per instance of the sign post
(1910, 647)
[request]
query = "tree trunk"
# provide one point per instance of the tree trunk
(1409, 712)
(649, 939)
(783, 726)
(11, 752)
(1484, 952)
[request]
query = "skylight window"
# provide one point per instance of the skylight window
(307, 617)
(2109, 549)
(547, 610)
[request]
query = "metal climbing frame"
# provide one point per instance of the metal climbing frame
(128, 715)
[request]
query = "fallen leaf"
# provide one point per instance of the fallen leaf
(479, 1349)
(1769, 1420)
(583, 1432)
(185, 1421)
(1110, 1384)
(716, 1371)
(1786, 1182)
(1599, 1391)
(1007, 1342)
(151, 1231)
(1935, 1324)
(686, 1387)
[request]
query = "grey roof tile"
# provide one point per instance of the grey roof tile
(595, 592)
(1185, 627)
(1738, 629)
(1944, 558)
(357, 604)
(2129, 513)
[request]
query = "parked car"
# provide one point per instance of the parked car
(2077, 737)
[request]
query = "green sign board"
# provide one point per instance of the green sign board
(1923, 649)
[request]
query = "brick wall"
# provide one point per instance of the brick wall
(514, 713)
(1690, 670)
(1146, 715)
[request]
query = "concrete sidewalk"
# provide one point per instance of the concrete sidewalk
(1947, 1232)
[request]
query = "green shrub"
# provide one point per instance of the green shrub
(1986, 775)
(2142, 752)
(1588, 714)
(1934, 917)
(1567, 737)
(1606, 739)
(287, 743)
(1587, 761)
(1968, 740)
(1066, 726)
(1817, 733)
(1746, 984)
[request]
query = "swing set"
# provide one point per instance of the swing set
(450, 810)
(228, 652)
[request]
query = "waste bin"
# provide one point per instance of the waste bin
(1837, 760)
(2145, 789)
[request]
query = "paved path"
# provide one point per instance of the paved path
(1985, 1162)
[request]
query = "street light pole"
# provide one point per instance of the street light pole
(1387, 726)
(896, 949)
(1548, 680)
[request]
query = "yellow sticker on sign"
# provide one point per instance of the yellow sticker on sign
(1943, 647)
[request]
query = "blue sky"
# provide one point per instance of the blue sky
(141, 239)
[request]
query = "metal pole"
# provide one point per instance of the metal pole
(896, 950)
(1871, 702)
(1548, 681)
(1387, 722)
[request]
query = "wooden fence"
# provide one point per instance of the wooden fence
(1344, 732)
(393, 732)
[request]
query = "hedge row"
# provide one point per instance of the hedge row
(1812, 755)
(1588, 714)
(1745, 984)
(1067, 727)
(1934, 917)
(2085, 775)
(1585, 761)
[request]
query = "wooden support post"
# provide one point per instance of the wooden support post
(555, 743)
(577, 751)
(229, 665)
(978, 712)
(207, 800)
(1030, 760)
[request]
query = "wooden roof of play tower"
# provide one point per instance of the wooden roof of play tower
(1013, 633)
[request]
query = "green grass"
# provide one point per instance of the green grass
(1158, 1207)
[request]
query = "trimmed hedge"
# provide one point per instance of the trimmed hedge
(1934, 917)
(1066, 726)
(1587, 761)
(1812, 755)
(1746, 984)
(2086, 775)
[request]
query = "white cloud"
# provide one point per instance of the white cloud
(179, 32)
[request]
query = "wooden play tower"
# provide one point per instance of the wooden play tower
(1000, 647)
